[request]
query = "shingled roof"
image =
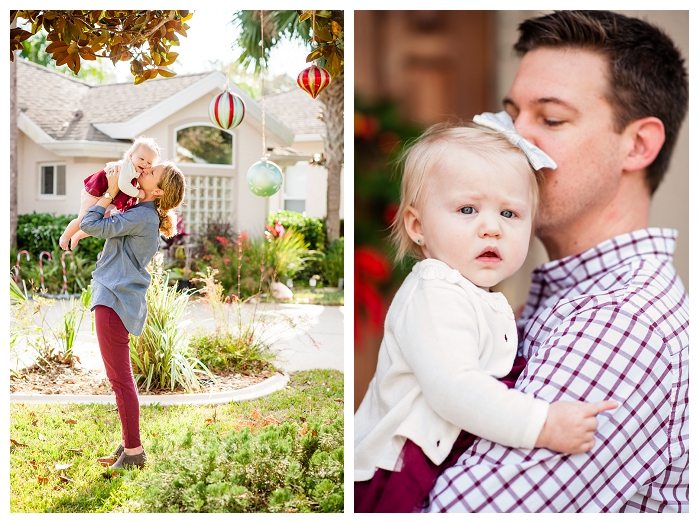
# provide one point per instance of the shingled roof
(68, 108)
(297, 110)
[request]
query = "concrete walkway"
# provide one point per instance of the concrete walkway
(302, 337)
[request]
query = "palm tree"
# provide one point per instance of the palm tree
(289, 25)
(13, 148)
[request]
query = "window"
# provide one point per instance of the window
(53, 180)
(208, 198)
(295, 187)
(204, 145)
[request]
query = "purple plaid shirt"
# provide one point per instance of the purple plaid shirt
(610, 323)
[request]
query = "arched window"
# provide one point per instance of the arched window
(204, 145)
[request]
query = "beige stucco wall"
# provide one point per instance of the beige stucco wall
(316, 182)
(249, 210)
(670, 205)
(30, 158)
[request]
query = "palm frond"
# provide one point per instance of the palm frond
(278, 25)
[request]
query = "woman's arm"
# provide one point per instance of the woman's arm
(95, 224)
(130, 223)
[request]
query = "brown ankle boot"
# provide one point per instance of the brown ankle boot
(125, 460)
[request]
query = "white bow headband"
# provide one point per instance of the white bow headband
(502, 122)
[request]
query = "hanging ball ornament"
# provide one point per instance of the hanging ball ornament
(227, 110)
(313, 80)
(264, 178)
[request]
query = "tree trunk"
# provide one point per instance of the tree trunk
(13, 150)
(333, 100)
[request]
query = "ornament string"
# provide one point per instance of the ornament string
(313, 32)
(262, 45)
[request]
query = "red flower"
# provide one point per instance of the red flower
(389, 213)
(276, 230)
(224, 241)
(370, 268)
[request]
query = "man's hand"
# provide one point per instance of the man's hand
(570, 426)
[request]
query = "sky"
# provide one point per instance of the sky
(209, 38)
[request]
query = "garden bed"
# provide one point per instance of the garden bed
(62, 379)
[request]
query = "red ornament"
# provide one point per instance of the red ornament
(313, 80)
(227, 110)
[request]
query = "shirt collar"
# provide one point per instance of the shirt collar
(620, 250)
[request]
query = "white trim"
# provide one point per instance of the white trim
(76, 148)
(52, 197)
(40, 184)
(32, 130)
(234, 140)
(308, 138)
(68, 148)
(162, 110)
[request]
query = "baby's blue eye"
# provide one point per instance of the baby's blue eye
(507, 214)
(467, 210)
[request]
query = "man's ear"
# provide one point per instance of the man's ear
(157, 192)
(411, 220)
(646, 137)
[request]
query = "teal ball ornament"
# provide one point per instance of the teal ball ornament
(264, 178)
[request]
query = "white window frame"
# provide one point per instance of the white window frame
(40, 184)
(207, 165)
(286, 197)
(224, 204)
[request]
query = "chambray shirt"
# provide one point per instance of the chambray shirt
(120, 279)
(610, 323)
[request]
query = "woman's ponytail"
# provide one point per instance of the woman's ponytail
(173, 184)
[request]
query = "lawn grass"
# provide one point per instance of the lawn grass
(281, 453)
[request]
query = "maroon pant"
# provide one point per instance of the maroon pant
(113, 340)
(407, 490)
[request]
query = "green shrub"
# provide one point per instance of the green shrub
(287, 254)
(78, 271)
(39, 232)
(312, 229)
(224, 350)
(273, 468)
(241, 265)
(258, 261)
(334, 262)
(161, 356)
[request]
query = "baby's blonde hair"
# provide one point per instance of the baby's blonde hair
(422, 157)
(143, 140)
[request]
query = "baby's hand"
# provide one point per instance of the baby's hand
(112, 169)
(570, 426)
(141, 194)
(113, 181)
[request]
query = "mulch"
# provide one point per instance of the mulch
(60, 378)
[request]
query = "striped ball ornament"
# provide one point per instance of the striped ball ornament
(313, 80)
(227, 110)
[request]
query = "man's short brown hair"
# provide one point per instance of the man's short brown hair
(647, 75)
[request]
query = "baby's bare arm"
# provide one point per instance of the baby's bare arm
(570, 426)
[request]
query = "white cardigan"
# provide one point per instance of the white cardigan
(445, 343)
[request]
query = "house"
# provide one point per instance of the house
(69, 129)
